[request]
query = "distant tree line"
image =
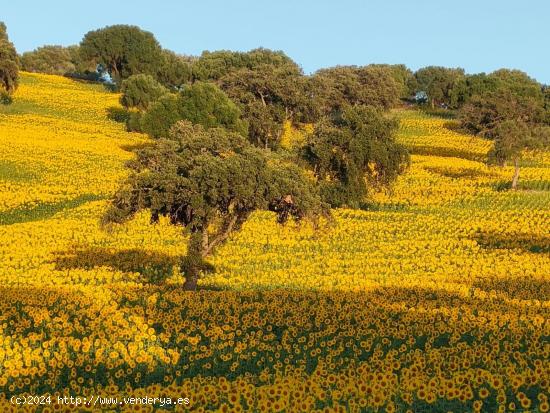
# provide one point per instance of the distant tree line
(256, 93)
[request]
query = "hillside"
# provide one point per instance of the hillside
(449, 263)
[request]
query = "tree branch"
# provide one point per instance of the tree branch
(232, 223)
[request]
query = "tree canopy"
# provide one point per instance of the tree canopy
(482, 114)
(516, 82)
(546, 93)
(9, 64)
(159, 118)
(123, 50)
(268, 96)
(340, 86)
(209, 181)
(54, 60)
(214, 65)
(352, 151)
(140, 91)
(200, 103)
(508, 107)
(174, 70)
(512, 138)
(469, 86)
(519, 83)
(437, 82)
(402, 75)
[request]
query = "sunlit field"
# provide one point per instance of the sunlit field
(433, 297)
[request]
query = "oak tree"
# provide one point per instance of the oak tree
(123, 50)
(354, 151)
(209, 181)
(200, 103)
(9, 66)
(438, 83)
(512, 138)
(140, 91)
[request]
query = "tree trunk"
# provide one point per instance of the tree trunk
(191, 276)
(196, 249)
(516, 174)
(200, 245)
(115, 75)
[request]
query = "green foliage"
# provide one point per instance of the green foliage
(160, 117)
(9, 65)
(207, 105)
(336, 87)
(353, 150)
(210, 181)
(268, 96)
(512, 137)
(55, 60)
(123, 50)
(201, 173)
(5, 98)
(438, 83)
(402, 75)
(507, 106)
(174, 70)
(546, 93)
(215, 65)
(482, 114)
(516, 82)
(201, 103)
(140, 91)
(117, 114)
(519, 83)
(268, 85)
(134, 122)
(472, 85)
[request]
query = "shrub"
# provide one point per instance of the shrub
(55, 60)
(140, 91)
(156, 122)
(202, 104)
(133, 123)
(5, 98)
(120, 115)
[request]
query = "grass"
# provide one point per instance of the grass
(12, 172)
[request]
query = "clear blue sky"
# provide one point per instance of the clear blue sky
(479, 35)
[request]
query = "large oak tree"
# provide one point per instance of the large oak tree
(209, 181)
(122, 50)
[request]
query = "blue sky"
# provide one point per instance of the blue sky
(479, 35)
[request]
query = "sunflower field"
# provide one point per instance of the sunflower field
(434, 297)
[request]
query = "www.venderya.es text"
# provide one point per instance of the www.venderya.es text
(99, 400)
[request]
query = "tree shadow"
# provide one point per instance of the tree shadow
(155, 267)
(463, 173)
(538, 244)
(523, 288)
(43, 211)
(386, 207)
(136, 146)
(117, 114)
(443, 151)
(386, 316)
